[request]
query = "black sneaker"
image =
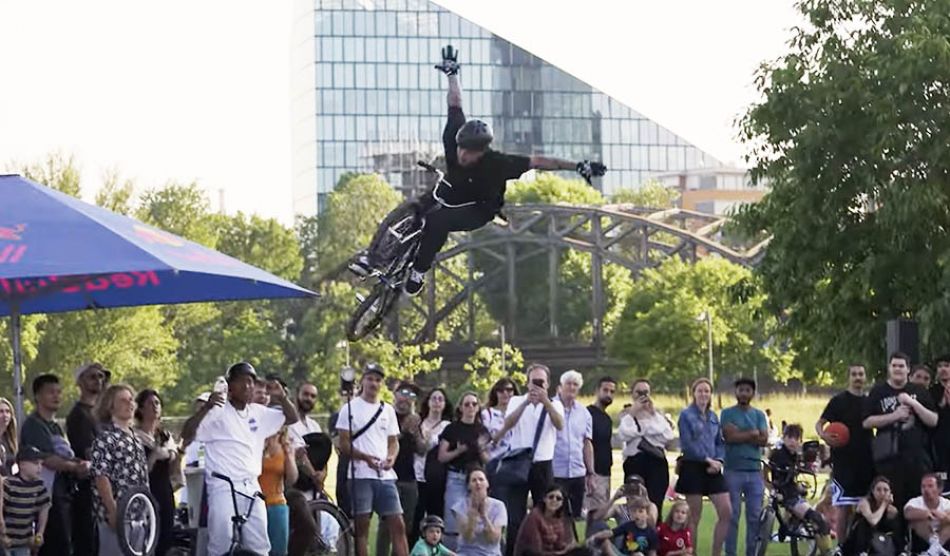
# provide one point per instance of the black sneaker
(360, 266)
(415, 282)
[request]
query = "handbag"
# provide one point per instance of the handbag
(886, 445)
(512, 468)
(882, 544)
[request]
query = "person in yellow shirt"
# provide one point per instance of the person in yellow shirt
(278, 471)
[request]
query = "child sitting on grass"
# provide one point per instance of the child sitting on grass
(430, 543)
(633, 538)
(675, 538)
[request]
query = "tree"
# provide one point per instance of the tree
(485, 368)
(660, 337)
(651, 194)
(852, 136)
(183, 210)
(56, 170)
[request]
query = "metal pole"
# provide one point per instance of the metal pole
(504, 366)
(17, 364)
(709, 341)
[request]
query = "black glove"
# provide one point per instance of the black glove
(588, 169)
(449, 65)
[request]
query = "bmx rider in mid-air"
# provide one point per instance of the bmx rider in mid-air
(477, 175)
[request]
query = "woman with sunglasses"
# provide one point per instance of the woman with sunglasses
(464, 445)
(493, 416)
(645, 433)
(546, 531)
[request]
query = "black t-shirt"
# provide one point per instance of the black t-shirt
(913, 443)
(485, 182)
(941, 434)
(784, 464)
(405, 460)
(81, 430)
(457, 433)
(602, 432)
(848, 408)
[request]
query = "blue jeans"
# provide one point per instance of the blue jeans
(455, 491)
(375, 495)
(278, 528)
(746, 484)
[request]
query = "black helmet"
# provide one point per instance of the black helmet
(475, 135)
(242, 368)
(432, 521)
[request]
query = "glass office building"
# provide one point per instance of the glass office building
(366, 98)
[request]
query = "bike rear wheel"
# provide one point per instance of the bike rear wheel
(766, 522)
(803, 540)
(334, 530)
(371, 312)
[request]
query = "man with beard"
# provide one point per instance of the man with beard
(900, 412)
(598, 491)
(404, 402)
(745, 431)
(81, 431)
(940, 393)
(306, 399)
(851, 473)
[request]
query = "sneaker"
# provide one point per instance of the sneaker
(415, 282)
(360, 266)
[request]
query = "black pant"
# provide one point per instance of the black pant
(516, 499)
(431, 502)
(83, 519)
(443, 221)
(58, 538)
(655, 473)
(575, 489)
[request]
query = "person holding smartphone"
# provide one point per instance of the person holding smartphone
(645, 433)
(521, 418)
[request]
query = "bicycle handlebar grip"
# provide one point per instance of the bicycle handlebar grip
(217, 475)
(426, 165)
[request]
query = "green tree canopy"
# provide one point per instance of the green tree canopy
(852, 136)
(651, 194)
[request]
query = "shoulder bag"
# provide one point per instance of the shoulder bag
(512, 468)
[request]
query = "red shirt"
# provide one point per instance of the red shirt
(671, 541)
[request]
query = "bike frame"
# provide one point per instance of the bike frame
(238, 520)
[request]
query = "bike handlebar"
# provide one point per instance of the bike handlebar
(228, 480)
(426, 165)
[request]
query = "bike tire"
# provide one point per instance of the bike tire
(371, 312)
(137, 510)
(766, 523)
(803, 542)
(345, 542)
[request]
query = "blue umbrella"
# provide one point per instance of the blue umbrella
(60, 254)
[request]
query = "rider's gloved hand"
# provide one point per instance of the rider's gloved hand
(450, 64)
(588, 169)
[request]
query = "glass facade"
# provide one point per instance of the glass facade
(366, 98)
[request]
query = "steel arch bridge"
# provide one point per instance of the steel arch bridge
(635, 238)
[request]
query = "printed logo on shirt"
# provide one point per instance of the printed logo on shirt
(252, 422)
(636, 544)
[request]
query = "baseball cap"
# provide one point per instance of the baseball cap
(29, 453)
(374, 369)
(242, 368)
(78, 371)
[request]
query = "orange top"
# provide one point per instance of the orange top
(272, 479)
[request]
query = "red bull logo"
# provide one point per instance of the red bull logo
(153, 236)
(77, 284)
(11, 253)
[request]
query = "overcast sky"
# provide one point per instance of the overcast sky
(200, 89)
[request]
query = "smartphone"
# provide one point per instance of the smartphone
(539, 382)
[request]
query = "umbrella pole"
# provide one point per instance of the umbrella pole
(17, 364)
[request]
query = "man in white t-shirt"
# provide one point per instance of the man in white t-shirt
(306, 399)
(928, 515)
(521, 419)
(369, 436)
(233, 434)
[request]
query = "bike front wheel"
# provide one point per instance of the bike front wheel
(371, 312)
(334, 531)
(766, 522)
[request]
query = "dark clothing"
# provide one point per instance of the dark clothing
(904, 471)
(405, 460)
(81, 430)
(630, 539)
(693, 478)
(601, 435)
(859, 536)
(575, 489)
(120, 457)
(516, 499)
(48, 437)
(458, 434)
(22, 503)
(941, 434)
(784, 467)
(342, 490)
(483, 184)
(655, 473)
(543, 536)
(160, 485)
(7, 457)
(849, 463)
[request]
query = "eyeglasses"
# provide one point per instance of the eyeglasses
(642, 392)
(555, 497)
(470, 404)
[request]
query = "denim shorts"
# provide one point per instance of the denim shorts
(376, 496)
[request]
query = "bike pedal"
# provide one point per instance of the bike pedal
(360, 297)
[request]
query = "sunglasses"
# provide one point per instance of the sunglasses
(470, 404)
(642, 392)
(555, 497)
(407, 393)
